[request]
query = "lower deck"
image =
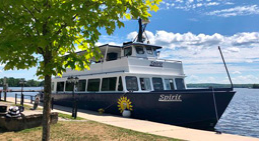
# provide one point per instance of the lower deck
(118, 82)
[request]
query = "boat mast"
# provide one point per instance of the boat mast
(140, 32)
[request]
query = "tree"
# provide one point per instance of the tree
(46, 33)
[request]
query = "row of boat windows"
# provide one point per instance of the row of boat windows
(139, 50)
(109, 84)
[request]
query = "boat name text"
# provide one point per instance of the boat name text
(170, 98)
(156, 64)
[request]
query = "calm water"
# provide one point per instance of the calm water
(241, 116)
(12, 94)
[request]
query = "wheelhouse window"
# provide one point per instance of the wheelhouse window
(180, 83)
(169, 84)
(120, 84)
(109, 84)
(128, 51)
(139, 50)
(145, 84)
(81, 87)
(93, 84)
(149, 50)
(60, 86)
(131, 83)
(69, 86)
(157, 83)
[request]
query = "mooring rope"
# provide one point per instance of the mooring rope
(102, 110)
(215, 104)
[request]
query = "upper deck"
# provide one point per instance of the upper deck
(132, 58)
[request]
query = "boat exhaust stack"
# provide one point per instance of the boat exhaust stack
(231, 83)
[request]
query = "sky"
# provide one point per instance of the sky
(191, 31)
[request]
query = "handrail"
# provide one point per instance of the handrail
(146, 58)
(31, 98)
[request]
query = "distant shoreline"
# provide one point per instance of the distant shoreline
(206, 85)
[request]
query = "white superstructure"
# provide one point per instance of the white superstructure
(133, 66)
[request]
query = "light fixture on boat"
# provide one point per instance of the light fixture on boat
(72, 79)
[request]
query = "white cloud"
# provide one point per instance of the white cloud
(166, 5)
(242, 79)
(180, 1)
(233, 49)
(200, 54)
(236, 72)
(236, 11)
(199, 4)
(211, 3)
(228, 3)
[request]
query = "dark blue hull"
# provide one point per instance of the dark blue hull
(191, 108)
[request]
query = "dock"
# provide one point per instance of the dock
(149, 127)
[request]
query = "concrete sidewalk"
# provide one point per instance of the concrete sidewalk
(155, 128)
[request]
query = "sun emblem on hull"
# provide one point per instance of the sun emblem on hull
(124, 103)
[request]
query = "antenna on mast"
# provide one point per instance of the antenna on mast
(231, 83)
(142, 25)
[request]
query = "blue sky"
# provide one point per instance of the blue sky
(190, 31)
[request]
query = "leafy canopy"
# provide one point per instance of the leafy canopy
(46, 33)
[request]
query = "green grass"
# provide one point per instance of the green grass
(85, 130)
(66, 116)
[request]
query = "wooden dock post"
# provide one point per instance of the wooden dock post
(31, 99)
(15, 98)
(5, 88)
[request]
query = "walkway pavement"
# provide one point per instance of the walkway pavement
(155, 128)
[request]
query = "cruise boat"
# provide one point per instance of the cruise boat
(132, 79)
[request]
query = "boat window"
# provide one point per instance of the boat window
(128, 51)
(149, 50)
(109, 84)
(111, 56)
(69, 86)
(131, 83)
(139, 49)
(169, 84)
(60, 86)
(180, 83)
(81, 86)
(93, 84)
(145, 83)
(52, 86)
(157, 83)
(120, 84)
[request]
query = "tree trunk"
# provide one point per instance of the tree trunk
(46, 109)
(47, 100)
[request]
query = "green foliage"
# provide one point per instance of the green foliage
(46, 33)
(255, 86)
(15, 82)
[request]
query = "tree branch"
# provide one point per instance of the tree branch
(65, 25)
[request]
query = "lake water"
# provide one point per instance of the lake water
(241, 116)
